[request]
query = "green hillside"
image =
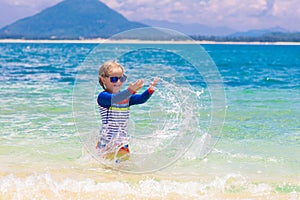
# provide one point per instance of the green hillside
(70, 19)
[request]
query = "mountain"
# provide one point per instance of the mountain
(70, 19)
(259, 32)
(191, 29)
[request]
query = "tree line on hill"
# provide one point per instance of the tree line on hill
(268, 37)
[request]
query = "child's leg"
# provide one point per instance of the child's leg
(123, 153)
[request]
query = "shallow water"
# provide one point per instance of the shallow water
(257, 157)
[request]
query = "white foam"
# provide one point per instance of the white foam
(45, 186)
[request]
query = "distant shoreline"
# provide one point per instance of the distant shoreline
(100, 40)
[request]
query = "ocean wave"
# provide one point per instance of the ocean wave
(231, 186)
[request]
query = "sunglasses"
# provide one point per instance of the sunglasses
(115, 79)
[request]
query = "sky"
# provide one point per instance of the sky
(240, 15)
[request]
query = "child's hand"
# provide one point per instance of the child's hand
(136, 86)
(153, 84)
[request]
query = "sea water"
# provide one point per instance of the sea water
(257, 155)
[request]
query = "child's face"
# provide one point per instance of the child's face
(113, 87)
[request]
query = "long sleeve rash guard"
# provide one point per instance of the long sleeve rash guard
(114, 111)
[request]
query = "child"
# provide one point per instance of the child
(114, 108)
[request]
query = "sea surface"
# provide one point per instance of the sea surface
(255, 154)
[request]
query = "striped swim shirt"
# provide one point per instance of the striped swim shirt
(114, 110)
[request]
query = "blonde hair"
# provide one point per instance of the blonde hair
(105, 70)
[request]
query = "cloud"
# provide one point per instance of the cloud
(12, 10)
(237, 14)
(31, 3)
(233, 13)
(31, 6)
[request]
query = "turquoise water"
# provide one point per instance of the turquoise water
(258, 154)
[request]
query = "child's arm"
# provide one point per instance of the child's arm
(142, 98)
(153, 84)
(106, 99)
(134, 87)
